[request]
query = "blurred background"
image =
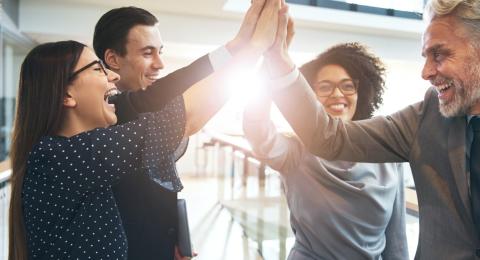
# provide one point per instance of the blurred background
(235, 203)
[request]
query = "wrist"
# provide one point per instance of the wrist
(249, 53)
(279, 65)
(233, 46)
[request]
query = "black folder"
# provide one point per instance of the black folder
(184, 242)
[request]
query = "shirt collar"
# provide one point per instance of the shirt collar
(469, 117)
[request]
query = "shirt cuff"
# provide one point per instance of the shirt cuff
(284, 81)
(219, 58)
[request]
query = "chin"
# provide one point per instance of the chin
(111, 119)
(343, 116)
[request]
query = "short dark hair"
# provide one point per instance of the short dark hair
(361, 65)
(112, 29)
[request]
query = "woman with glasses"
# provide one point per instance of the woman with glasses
(65, 157)
(339, 210)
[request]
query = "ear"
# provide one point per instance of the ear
(112, 59)
(69, 101)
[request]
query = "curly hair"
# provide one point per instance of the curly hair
(360, 65)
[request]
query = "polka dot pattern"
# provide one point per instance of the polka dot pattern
(69, 208)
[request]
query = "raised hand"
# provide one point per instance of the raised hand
(257, 32)
(277, 58)
(267, 25)
(247, 28)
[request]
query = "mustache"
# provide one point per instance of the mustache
(440, 80)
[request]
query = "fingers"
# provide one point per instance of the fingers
(251, 18)
(290, 30)
(177, 253)
(254, 11)
(282, 32)
(267, 25)
(247, 28)
(274, 4)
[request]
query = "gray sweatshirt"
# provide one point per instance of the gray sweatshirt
(338, 210)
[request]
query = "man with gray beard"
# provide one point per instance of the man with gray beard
(439, 137)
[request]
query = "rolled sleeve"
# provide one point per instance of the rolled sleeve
(219, 58)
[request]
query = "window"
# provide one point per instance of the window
(411, 9)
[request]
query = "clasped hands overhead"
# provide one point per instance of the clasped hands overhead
(267, 29)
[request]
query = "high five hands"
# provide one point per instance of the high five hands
(266, 30)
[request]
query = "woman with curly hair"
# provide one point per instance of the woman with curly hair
(339, 210)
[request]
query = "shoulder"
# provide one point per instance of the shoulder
(48, 149)
(49, 144)
(58, 147)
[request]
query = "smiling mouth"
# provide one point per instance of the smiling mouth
(152, 77)
(444, 87)
(110, 94)
(338, 106)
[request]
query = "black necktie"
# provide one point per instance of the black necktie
(475, 172)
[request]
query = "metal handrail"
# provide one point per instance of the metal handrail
(5, 175)
(5, 171)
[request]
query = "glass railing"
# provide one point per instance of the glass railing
(252, 194)
(4, 205)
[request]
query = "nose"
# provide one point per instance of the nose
(158, 62)
(429, 70)
(337, 92)
(112, 76)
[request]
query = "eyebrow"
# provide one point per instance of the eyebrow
(432, 48)
(150, 47)
(329, 81)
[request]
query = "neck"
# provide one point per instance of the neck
(72, 125)
(475, 109)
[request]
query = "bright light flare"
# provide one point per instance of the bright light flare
(245, 84)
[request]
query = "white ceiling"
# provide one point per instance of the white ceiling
(192, 27)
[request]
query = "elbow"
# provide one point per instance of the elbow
(191, 129)
(325, 148)
(192, 126)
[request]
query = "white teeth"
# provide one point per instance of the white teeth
(153, 78)
(444, 87)
(111, 92)
(337, 106)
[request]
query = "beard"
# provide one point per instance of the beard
(467, 93)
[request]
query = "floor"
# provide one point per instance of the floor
(229, 221)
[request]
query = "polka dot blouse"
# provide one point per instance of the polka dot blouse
(69, 208)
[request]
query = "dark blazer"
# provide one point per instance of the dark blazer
(434, 146)
(148, 211)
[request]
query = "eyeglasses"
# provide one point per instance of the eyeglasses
(326, 88)
(99, 62)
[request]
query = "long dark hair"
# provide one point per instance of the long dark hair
(44, 78)
(360, 64)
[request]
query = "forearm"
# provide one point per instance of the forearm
(257, 126)
(129, 104)
(207, 96)
(162, 91)
(380, 139)
(278, 151)
(256, 35)
(299, 106)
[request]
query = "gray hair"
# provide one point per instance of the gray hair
(466, 11)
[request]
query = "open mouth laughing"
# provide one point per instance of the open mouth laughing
(442, 88)
(110, 94)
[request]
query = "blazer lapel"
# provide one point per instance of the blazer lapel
(456, 153)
